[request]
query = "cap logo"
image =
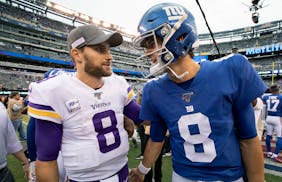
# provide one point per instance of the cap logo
(78, 42)
(174, 12)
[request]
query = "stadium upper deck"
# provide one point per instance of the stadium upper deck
(29, 35)
(262, 44)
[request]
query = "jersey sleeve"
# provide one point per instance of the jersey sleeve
(130, 95)
(158, 131)
(39, 106)
(148, 111)
(48, 138)
(30, 131)
(245, 122)
(132, 111)
(250, 85)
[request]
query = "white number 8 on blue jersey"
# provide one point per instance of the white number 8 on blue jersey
(203, 124)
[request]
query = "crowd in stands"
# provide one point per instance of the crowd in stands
(18, 79)
(225, 47)
(34, 18)
(40, 43)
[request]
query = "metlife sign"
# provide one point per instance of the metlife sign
(264, 49)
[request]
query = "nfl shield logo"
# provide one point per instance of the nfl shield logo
(98, 95)
(187, 96)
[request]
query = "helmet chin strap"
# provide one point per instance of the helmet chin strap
(166, 39)
(180, 77)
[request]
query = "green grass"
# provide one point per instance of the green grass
(16, 167)
(166, 163)
(167, 166)
(272, 178)
(17, 171)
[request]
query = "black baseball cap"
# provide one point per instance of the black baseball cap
(91, 35)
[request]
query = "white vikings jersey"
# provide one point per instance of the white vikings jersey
(94, 142)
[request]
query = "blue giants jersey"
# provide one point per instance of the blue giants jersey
(199, 115)
(273, 104)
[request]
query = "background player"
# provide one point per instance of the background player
(273, 121)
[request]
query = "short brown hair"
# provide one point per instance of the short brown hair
(13, 94)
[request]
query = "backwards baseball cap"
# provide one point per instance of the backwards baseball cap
(91, 35)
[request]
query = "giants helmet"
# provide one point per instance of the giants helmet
(175, 26)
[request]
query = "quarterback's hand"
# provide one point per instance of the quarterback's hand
(128, 126)
(136, 176)
(26, 171)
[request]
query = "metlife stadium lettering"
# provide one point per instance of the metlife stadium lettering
(264, 49)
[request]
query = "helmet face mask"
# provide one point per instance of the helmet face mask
(174, 27)
(150, 41)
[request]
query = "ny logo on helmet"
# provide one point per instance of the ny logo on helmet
(174, 12)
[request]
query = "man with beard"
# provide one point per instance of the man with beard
(83, 115)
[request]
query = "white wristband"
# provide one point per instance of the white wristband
(143, 169)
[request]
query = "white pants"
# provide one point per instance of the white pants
(273, 123)
(178, 178)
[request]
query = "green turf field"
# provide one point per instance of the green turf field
(16, 167)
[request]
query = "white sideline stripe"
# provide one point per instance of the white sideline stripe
(276, 173)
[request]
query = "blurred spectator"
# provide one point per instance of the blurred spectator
(141, 132)
(258, 107)
(15, 108)
(167, 150)
(234, 50)
(2, 98)
(9, 144)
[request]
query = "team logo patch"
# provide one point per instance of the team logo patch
(174, 12)
(189, 108)
(73, 105)
(187, 96)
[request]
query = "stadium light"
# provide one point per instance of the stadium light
(131, 32)
(74, 15)
(85, 17)
(96, 21)
(50, 4)
(63, 9)
(105, 24)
